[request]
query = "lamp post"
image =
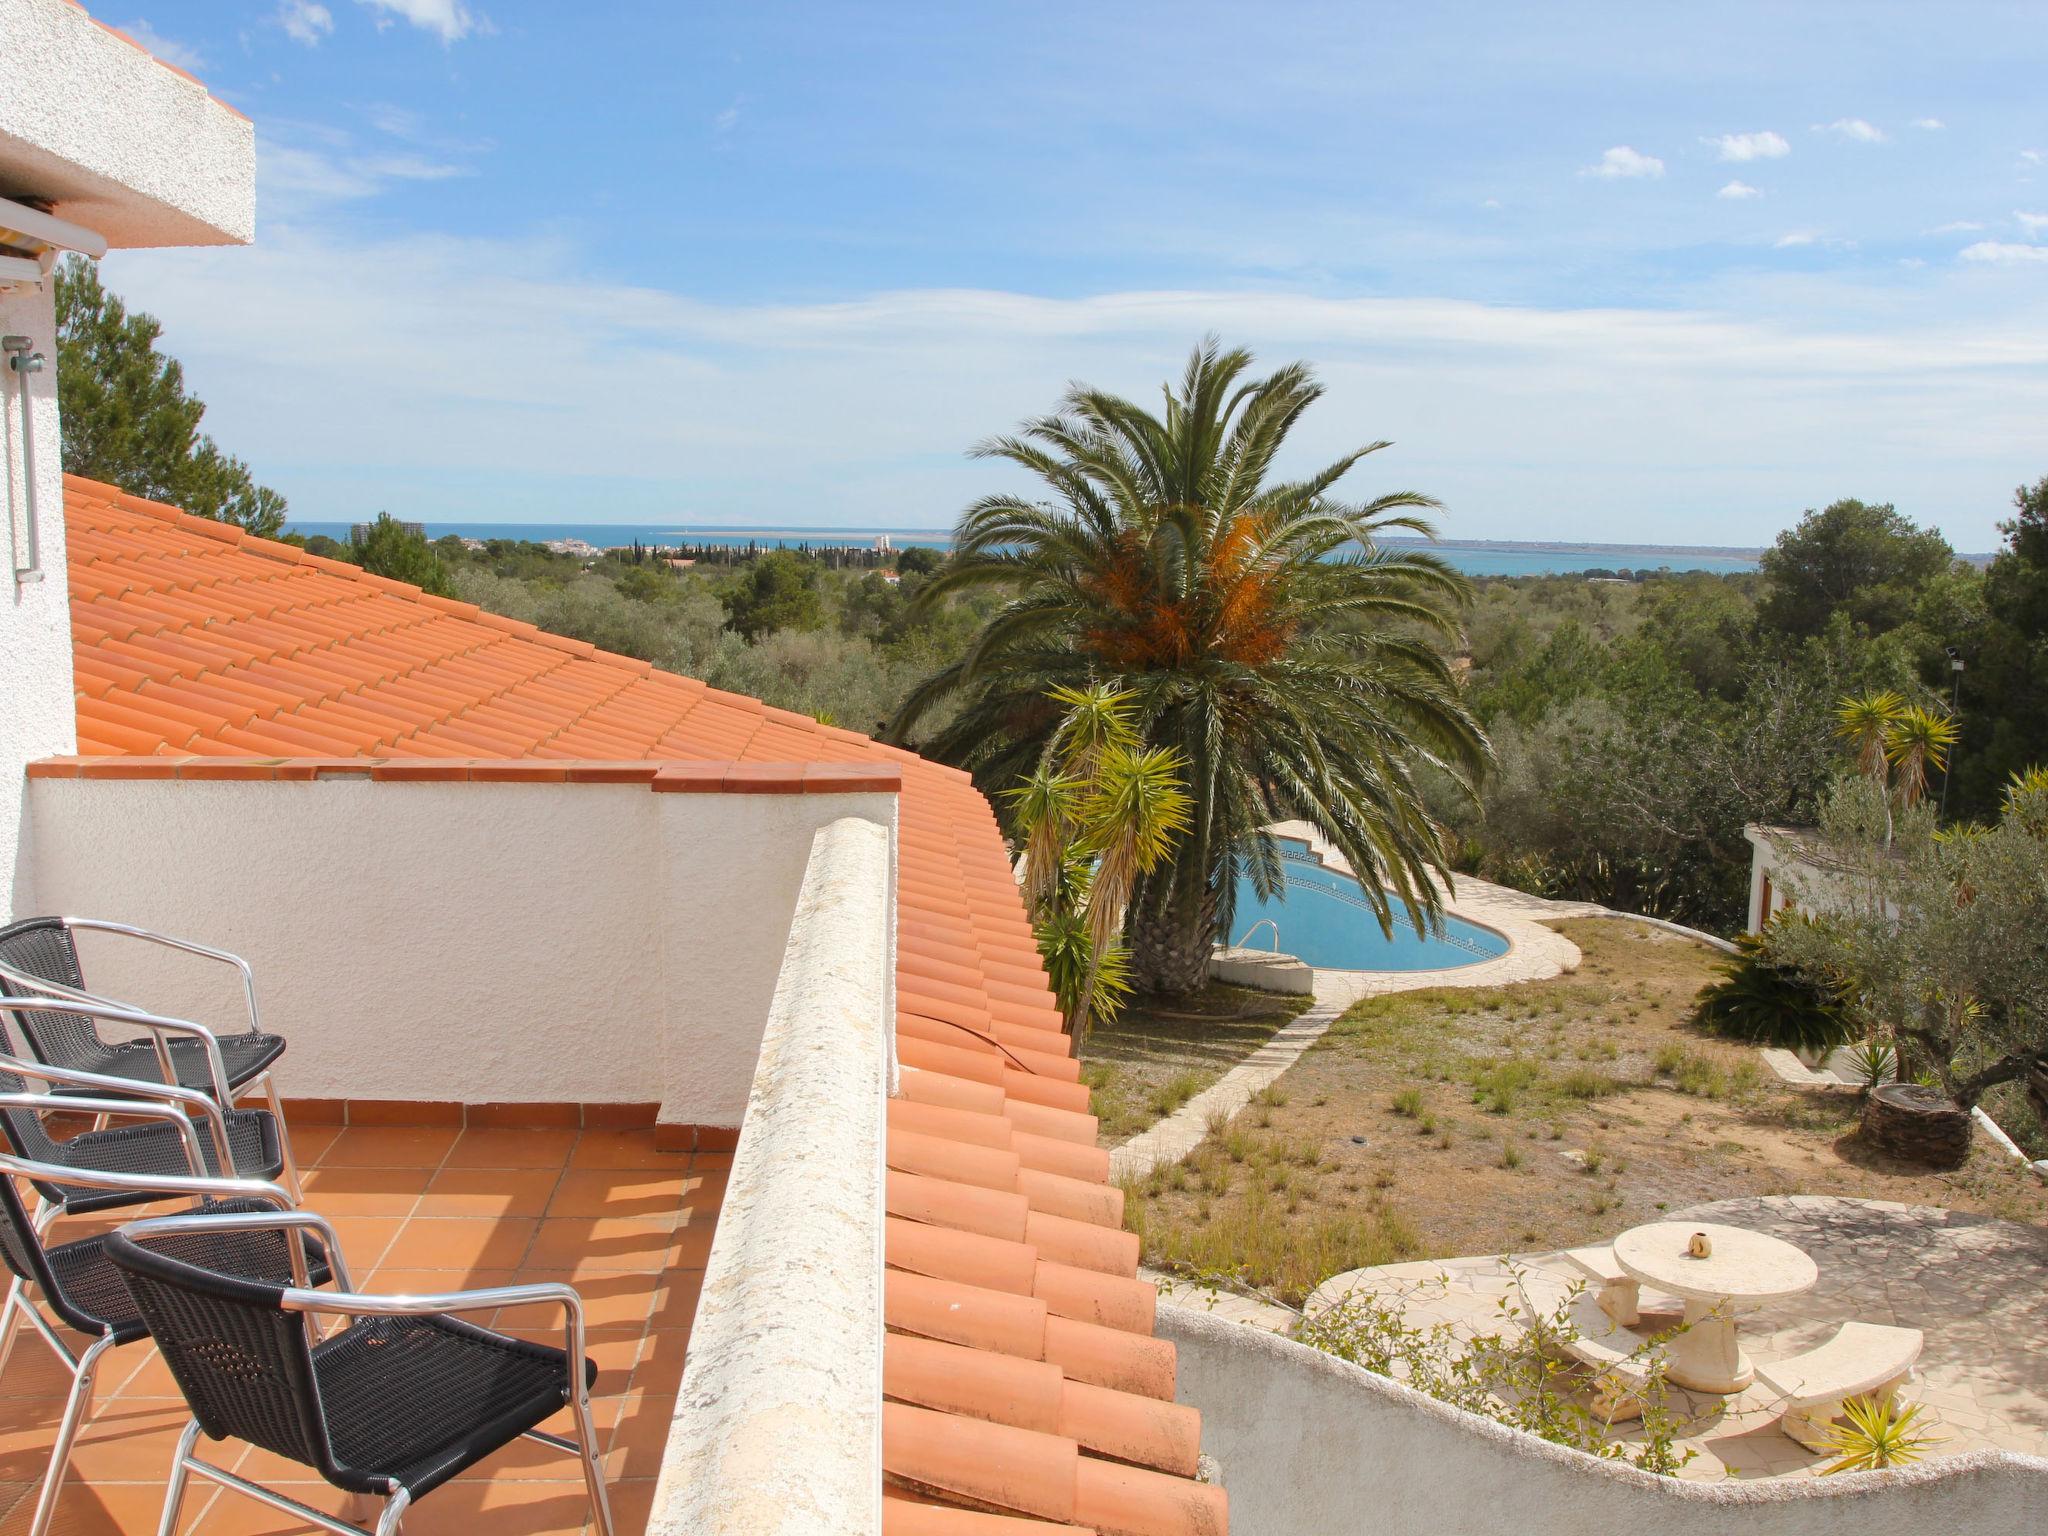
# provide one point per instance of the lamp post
(1955, 694)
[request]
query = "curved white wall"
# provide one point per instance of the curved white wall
(1310, 1445)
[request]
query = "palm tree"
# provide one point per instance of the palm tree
(1259, 627)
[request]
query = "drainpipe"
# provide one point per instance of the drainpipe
(22, 362)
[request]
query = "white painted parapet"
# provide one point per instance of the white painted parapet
(778, 1426)
(1310, 1445)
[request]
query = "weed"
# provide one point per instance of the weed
(1408, 1103)
(1170, 1095)
(1510, 1158)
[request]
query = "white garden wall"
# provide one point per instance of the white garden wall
(1310, 1445)
(466, 942)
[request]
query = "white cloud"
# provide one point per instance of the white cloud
(1796, 238)
(305, 21)
(1738, 189)
(169, 49)
(2032, 223)
(294, 178)
(1956, 227)
(1491, 203)
(1929, 124)
(727, 120)
(1624, 163)
(671, 408)
(2003, 253)
(449, 20)
(1853, 128)
(1750, 146)
(2031, 156)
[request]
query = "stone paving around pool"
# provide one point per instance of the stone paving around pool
(1976, 1287)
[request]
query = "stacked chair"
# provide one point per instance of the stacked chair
(385, 1396)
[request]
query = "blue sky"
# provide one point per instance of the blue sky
(1622, 272)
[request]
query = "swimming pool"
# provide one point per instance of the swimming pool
(1325, 920)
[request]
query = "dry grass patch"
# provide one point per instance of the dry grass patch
(1556, 1113)
(1157, 1056)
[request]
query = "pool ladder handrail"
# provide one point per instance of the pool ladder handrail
(1264, 922)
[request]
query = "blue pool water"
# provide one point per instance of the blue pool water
(1324, 919)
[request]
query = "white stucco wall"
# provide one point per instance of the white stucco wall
(778, 1424)
(119, 142)
(1310, 1445)
(476, 943)
(37, 715)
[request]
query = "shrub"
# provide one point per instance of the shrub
(1765, 1003)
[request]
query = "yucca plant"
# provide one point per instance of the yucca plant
(1875, 1063)
(1880, 1433)
(1097, 814)
(1917, 743)
(1765, 1002)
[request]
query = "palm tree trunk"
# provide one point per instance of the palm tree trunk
(1170, 935)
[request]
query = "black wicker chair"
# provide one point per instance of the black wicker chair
(394, 1404)
(86, 1293)
(39, 957)
(164, 1051)
(236, 1143)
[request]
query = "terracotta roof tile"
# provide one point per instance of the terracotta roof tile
(1026, 1393)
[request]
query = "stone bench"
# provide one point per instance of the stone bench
(1620, 1297)
(1861, 1360)
(1614, 1356)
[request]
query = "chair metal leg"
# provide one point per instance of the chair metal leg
(394, 1512)
(284, 1139)
(181, 1472)
(593, 1470)
(67, 1432)
(14, 1299)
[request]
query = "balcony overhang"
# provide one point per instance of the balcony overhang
(108, 136)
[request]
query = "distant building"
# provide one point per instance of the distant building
(359, 533)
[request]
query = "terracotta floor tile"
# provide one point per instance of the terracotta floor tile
(613, 1299)
(693, 1239)
(124, 1441)
(586, 1245)
(660, 1367)
(364, 1191)
(489, 1192)
(675, 1298)
(503, 1507)
(709, 1162)
(438, 1242)
(235, 1514)
(639, 1436)
(623, 1149)
(619, 1192)
(310, 1142)
(511, 1149)
(363, 1240)
(704, 1189)
(380, 1146)
(91, 1509)
(144, 1375)
(632, 1504)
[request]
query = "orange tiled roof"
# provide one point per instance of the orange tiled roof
(1025, 1388)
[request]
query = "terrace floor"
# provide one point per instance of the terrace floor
(1971, 1284)
(425, 1209)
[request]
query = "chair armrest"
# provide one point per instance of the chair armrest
(345, 1303)
(123, 1092)
(92, 1007)
(125, 930)
(286, 1218)
(169, 1113)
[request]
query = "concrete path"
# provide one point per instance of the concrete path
(1182, 1131)
(1228, 1305)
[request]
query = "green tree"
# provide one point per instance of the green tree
(918, 561)
(2005, 687)
(1259, 626)
(777, 591)
(127, 418)
(394, 550)
(1939, 941)
(1866, 560)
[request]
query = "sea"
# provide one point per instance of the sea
(1490, 558)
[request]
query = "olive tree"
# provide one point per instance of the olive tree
(1940, 941)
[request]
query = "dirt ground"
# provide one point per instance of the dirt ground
(1158, 1056)
(1452, 1122)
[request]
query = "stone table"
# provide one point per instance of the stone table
(1745, 1269)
